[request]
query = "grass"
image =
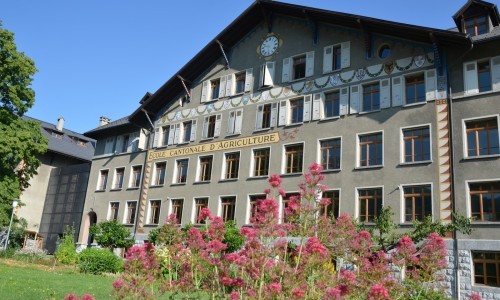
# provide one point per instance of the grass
(21, 280)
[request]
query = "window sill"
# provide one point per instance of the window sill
(368, 112)
(258, 177)
(331, 170)
(291, 174)
(100, 191)
(178, 184)
(296, 80)
(115, 190)
(329, 119)
(128, 225)
(210, 101)
(291, 125)
(480, 157)
(132, 188)
(233, 134)
(228, 180)
(202, 182)
(369, 167)
(157, 185)
(409, 164)
(161, 147)
(151, 225)
(262, 129)
(466, 95)
(415, 104)
(333, 71)
(182, 143)
(207, 139)
(266, 87)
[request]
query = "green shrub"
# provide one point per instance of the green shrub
(112, 234)
(32, 256)
(9, 253)
(233, 239)
(66, 252)
(98, 261)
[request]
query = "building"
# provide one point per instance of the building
(56, 195)
(398, 115)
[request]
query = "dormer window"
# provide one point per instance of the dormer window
(476, 25)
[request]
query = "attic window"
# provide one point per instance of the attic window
(56, 134)
(476, 25)
(384, 51)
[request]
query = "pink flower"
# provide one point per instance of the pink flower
(267, 191)
(475, 297)
(216, 246)
(333, 293)
(315, 169)
(118, 284)
(226, 281)
(234, 295)
(298, 293)
(71, 297)
(347, 276)
(275, 180)
(275, 287)
(205, 213)
(87, 297)
(282, 192)
(314, 246)
(378, 292)
(325, 201)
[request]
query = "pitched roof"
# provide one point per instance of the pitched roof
(263, 10)
(66, 142)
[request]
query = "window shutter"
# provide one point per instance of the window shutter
(307, 108)
(258, 120)
(274, 114)
(156, 138)
(317, 108)
(248, 80)
(239, 121)
(204, 91)
(222, 87)
(385, 93)
(193, 131)
(229, 85)
(171, 134)
(142, 140)
(133, 142)
(327, 59)
(283, 113)
(119, 144)
(261, 75)
(430, 85)
(230, 122)
(495, 73)
(397, 91)
(309, 63)
(204, 133)
(344, 101)
(285, 74)
(269, 74)
(345, 54)
(471, 85)
(177, 133)
(217, 125)
(354, 107)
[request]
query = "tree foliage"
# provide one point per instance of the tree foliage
(21, 141)
(111, 234)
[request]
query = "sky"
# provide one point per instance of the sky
(99, 58)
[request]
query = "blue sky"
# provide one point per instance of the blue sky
(98, 58)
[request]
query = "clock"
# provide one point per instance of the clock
(269, 45)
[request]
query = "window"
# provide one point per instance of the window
(266, 116)
(125, 142)
(284, 205)
(228, 205)
(482, 76)
(330, 151)
(235, 122)
(199, 204)
(384, 51)
(332, 209)
(118, 181)
(261, 162)
(415, 88)
(370, 204)
(103, 180)
(482, 137)
(370, 150)
(331, 106)
(130, 213)
(416, 144)
(267, 74)
(165, 130)
(296, 111)
(159, 175)
(485, 201)
(232, 161)
(205, 171)
(154, 212)
(214, 88)
(476, 25)
(109, 146)
(186, 130)
(211, 126)
(336, 57)
(253, 199)
(240, 82)
(181, 171)
(486, 268)
(299, 67)
(177, 205)
(135, 177)
(294, 158)
(113, 211)
(417, 202)
(371, 97)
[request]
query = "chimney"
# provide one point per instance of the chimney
(104, 121)
(60, 123)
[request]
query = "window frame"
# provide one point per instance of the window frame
(131, 178)
(114, 187)
(221, 207)
(476, 24)
(176, 180)
(402, 144)
(469, 200)
(224, 166)
(361, 92)
(404, 84)
(149, 216)
(303, 62)
(358, 204)
(126, 216)
(249, 206)
(155, 173)
(284, 159)
(319, 153)
(244, 75)
(358, 150)
(403, 203)
(484, 261)
(283, 204)
(253, 163)
(100, 187)
(199, 170)
(339, 191)
(465, 140)
(194, 213)
(111, 210)
(172, 206)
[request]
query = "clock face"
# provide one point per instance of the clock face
(269, 45)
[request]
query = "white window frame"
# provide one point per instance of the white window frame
(175, 171)
(281, 210)
(402, 144)
(345, 57)
(356, 196)
(402, 200)
(468, 200)
(288, 71)
(361, 98)
(125, 213)
(283, 158)
(318, 153)
(113, 188)
(110, 211)
(464, 135)
(99, 182)
(358, 152)
(198, 168)
(155, 164)
(148, 215)
(252, 161)
(131, 177)
(219, 205)
(192, 136)
(248, 82)
(248, 209)
(170, 207)
(340, 195)
(259, 116)
(285, 110)
(193, 207)
(217, 129)
(471, 84)
(235, 122)
(224, 164)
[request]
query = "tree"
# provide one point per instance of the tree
(111, 234)
(21, 141)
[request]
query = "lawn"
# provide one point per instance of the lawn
(19, 280)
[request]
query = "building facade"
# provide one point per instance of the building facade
(398, 115)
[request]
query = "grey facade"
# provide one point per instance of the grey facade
(387, 108)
